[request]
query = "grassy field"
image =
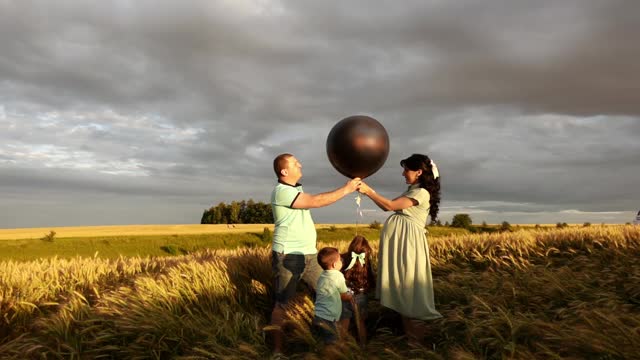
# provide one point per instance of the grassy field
(136, 230)
(569, 293)
(148, 230)
(156, 240)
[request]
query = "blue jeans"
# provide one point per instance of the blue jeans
(347, 309)
(289, 269)
(325, 329)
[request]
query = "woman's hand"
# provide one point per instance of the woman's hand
(365, 189)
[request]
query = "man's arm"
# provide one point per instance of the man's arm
(310, 201)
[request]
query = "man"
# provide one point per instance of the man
(294, 236)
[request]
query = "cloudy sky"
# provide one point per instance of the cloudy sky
(149, 112)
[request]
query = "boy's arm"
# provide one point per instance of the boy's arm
(345, 293)
(346, 296)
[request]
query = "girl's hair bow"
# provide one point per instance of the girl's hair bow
(434, 168)
(354, 257)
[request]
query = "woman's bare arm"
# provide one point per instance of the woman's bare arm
(399, 203)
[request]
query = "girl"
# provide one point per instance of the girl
(360, 280)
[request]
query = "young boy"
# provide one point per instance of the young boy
(330, 291)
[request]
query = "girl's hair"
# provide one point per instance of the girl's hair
(359, 276)
(427, 181)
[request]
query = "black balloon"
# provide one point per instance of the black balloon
(357, 146)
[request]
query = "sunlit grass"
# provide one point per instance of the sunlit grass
(114, 246)
(140, 230)
(555, 293)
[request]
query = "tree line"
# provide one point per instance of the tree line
(238, 212)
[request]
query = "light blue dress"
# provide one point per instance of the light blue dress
(404, 271)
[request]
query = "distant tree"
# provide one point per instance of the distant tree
(238, 212)
(505, 226)
(266, 235)
(50, 237)
(484, 224)
(206, 217)
(446, 223)
(266, 212)
(215, 215)
(220, 214)
(258, 213)
(438, 223)
(248, 211)
(375, 225)
(586, 224)
(234, 212)
(461, 221)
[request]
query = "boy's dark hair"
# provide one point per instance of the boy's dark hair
(359, 276)
(327, 256)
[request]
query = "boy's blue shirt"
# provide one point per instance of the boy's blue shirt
(328, 304)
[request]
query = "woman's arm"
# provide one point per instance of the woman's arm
(399, 203)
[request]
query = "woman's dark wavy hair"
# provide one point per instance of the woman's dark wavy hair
(359, 276)
(422, 162)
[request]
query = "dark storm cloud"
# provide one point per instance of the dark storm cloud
(79, 181)
(526, 106)
(572, 57)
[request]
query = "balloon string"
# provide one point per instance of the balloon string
(358, 212)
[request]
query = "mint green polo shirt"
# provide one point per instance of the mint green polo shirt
(328, 304)
(294, 231)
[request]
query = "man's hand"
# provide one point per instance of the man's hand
(352, 185)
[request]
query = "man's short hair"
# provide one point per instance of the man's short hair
(327, 256)
(280, 162)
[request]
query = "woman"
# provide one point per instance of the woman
(404, 271)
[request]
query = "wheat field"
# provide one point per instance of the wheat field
(128, 230)
(554, 294)
(140, 230)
